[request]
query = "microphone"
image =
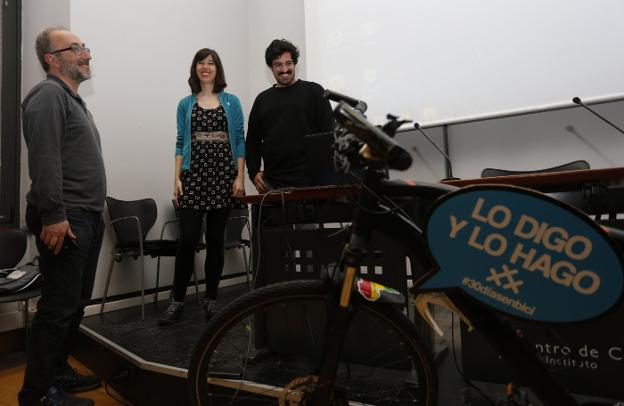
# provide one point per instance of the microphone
(380, 145)
(359, 105)
(448, 160)
(580, 103)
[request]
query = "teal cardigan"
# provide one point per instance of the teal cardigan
(235, 122)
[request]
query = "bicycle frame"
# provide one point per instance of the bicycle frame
(371, 215)
(378, 209)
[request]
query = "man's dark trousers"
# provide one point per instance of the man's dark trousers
(68, 280)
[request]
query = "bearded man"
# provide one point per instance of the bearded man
(64, 212)
(280, 118)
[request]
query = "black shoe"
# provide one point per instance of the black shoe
(69, 380)
(56, 397)
(173, 314)
(210, 307)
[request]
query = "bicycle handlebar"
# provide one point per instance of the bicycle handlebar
(380, 145)
(359, 105)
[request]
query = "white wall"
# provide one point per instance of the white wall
(269, 20)
(447, 60)
(140, 71)
(37, 15)
(142, 51)
(141, 56)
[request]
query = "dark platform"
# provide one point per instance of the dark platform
(168, 345)
(147, 364)
(144, 362)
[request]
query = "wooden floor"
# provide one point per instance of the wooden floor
(12, 373)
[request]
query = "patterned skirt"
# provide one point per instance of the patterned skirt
(207, 184)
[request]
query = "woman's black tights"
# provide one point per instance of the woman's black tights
(190, 233)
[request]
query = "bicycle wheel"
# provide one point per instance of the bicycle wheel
(265, 347)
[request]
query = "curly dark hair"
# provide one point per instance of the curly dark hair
(194, 81)
(277, 47)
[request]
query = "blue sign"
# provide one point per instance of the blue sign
(524, 254)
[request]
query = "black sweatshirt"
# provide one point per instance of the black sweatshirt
(64, 153)
(279, 119)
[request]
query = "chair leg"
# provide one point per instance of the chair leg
(26, 324)
(108, 278)
(197, 287)
(157, 277)
(246, 266)
(141, 281)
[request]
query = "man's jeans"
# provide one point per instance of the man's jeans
(67, 286)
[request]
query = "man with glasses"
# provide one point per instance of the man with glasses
(64, 212)
(280, 117)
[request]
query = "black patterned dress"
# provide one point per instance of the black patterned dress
(207, 184)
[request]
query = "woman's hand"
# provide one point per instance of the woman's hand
(177, 189)
(238, 188)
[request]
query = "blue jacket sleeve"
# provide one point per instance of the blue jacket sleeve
(181, 123)
(238, 127)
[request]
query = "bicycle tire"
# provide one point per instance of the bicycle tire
(391, 367)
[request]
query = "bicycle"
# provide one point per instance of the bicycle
(245, 356)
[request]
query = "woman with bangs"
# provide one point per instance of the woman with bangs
(209, 176)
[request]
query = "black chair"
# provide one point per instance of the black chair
(13, 244)
(132, 220)
(570, 166)
(605, 207)
(237, 222)
(573, 198)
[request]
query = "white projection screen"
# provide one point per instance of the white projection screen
(444, 61)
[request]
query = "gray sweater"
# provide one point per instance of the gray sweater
(64, 152)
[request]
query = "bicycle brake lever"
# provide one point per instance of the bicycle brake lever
(422, 302)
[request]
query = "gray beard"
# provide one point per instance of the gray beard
(74, 73)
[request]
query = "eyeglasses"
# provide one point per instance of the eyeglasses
(77, 49)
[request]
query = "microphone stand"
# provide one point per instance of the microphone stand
(449, 167)
(580, 103)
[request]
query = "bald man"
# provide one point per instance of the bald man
(64, 212)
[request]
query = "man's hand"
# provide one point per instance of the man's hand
(260, 184)
(238, 188)
(53, 235)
